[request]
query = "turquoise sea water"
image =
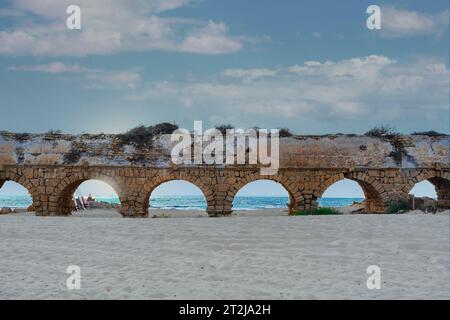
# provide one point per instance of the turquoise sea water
(196, 202)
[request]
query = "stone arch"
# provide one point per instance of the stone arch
(30, 184)
(375, 197)
(66, 188)
(441, 182)
(143, 200)
(288, 183)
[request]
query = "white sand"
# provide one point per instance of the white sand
(239, 257)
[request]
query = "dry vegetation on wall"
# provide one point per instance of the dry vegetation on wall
(382, 131)
(224, 127)
(430, 133)
(142, 136)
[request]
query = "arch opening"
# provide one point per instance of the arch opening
(14, 195)
(179, 195)
(342, 193)
(350, 187)
(88, 194)
(262, 194)
(433, 193)
(424, 189)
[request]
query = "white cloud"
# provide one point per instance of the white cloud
(110, 26)
(53, 68)
(365, 67)
(164, 5)
(90, 78)
(345, 89)
(213, 38)
(399, 23)
(358, 90)
(248, 74)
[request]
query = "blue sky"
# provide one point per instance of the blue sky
(312, 66)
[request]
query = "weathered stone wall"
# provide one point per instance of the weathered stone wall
(341, 151)
(51, 167)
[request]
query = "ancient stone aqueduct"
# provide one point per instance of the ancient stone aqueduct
(52, 166)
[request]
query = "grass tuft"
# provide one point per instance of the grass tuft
(398, 207)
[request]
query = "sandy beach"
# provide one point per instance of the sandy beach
(246, 256)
